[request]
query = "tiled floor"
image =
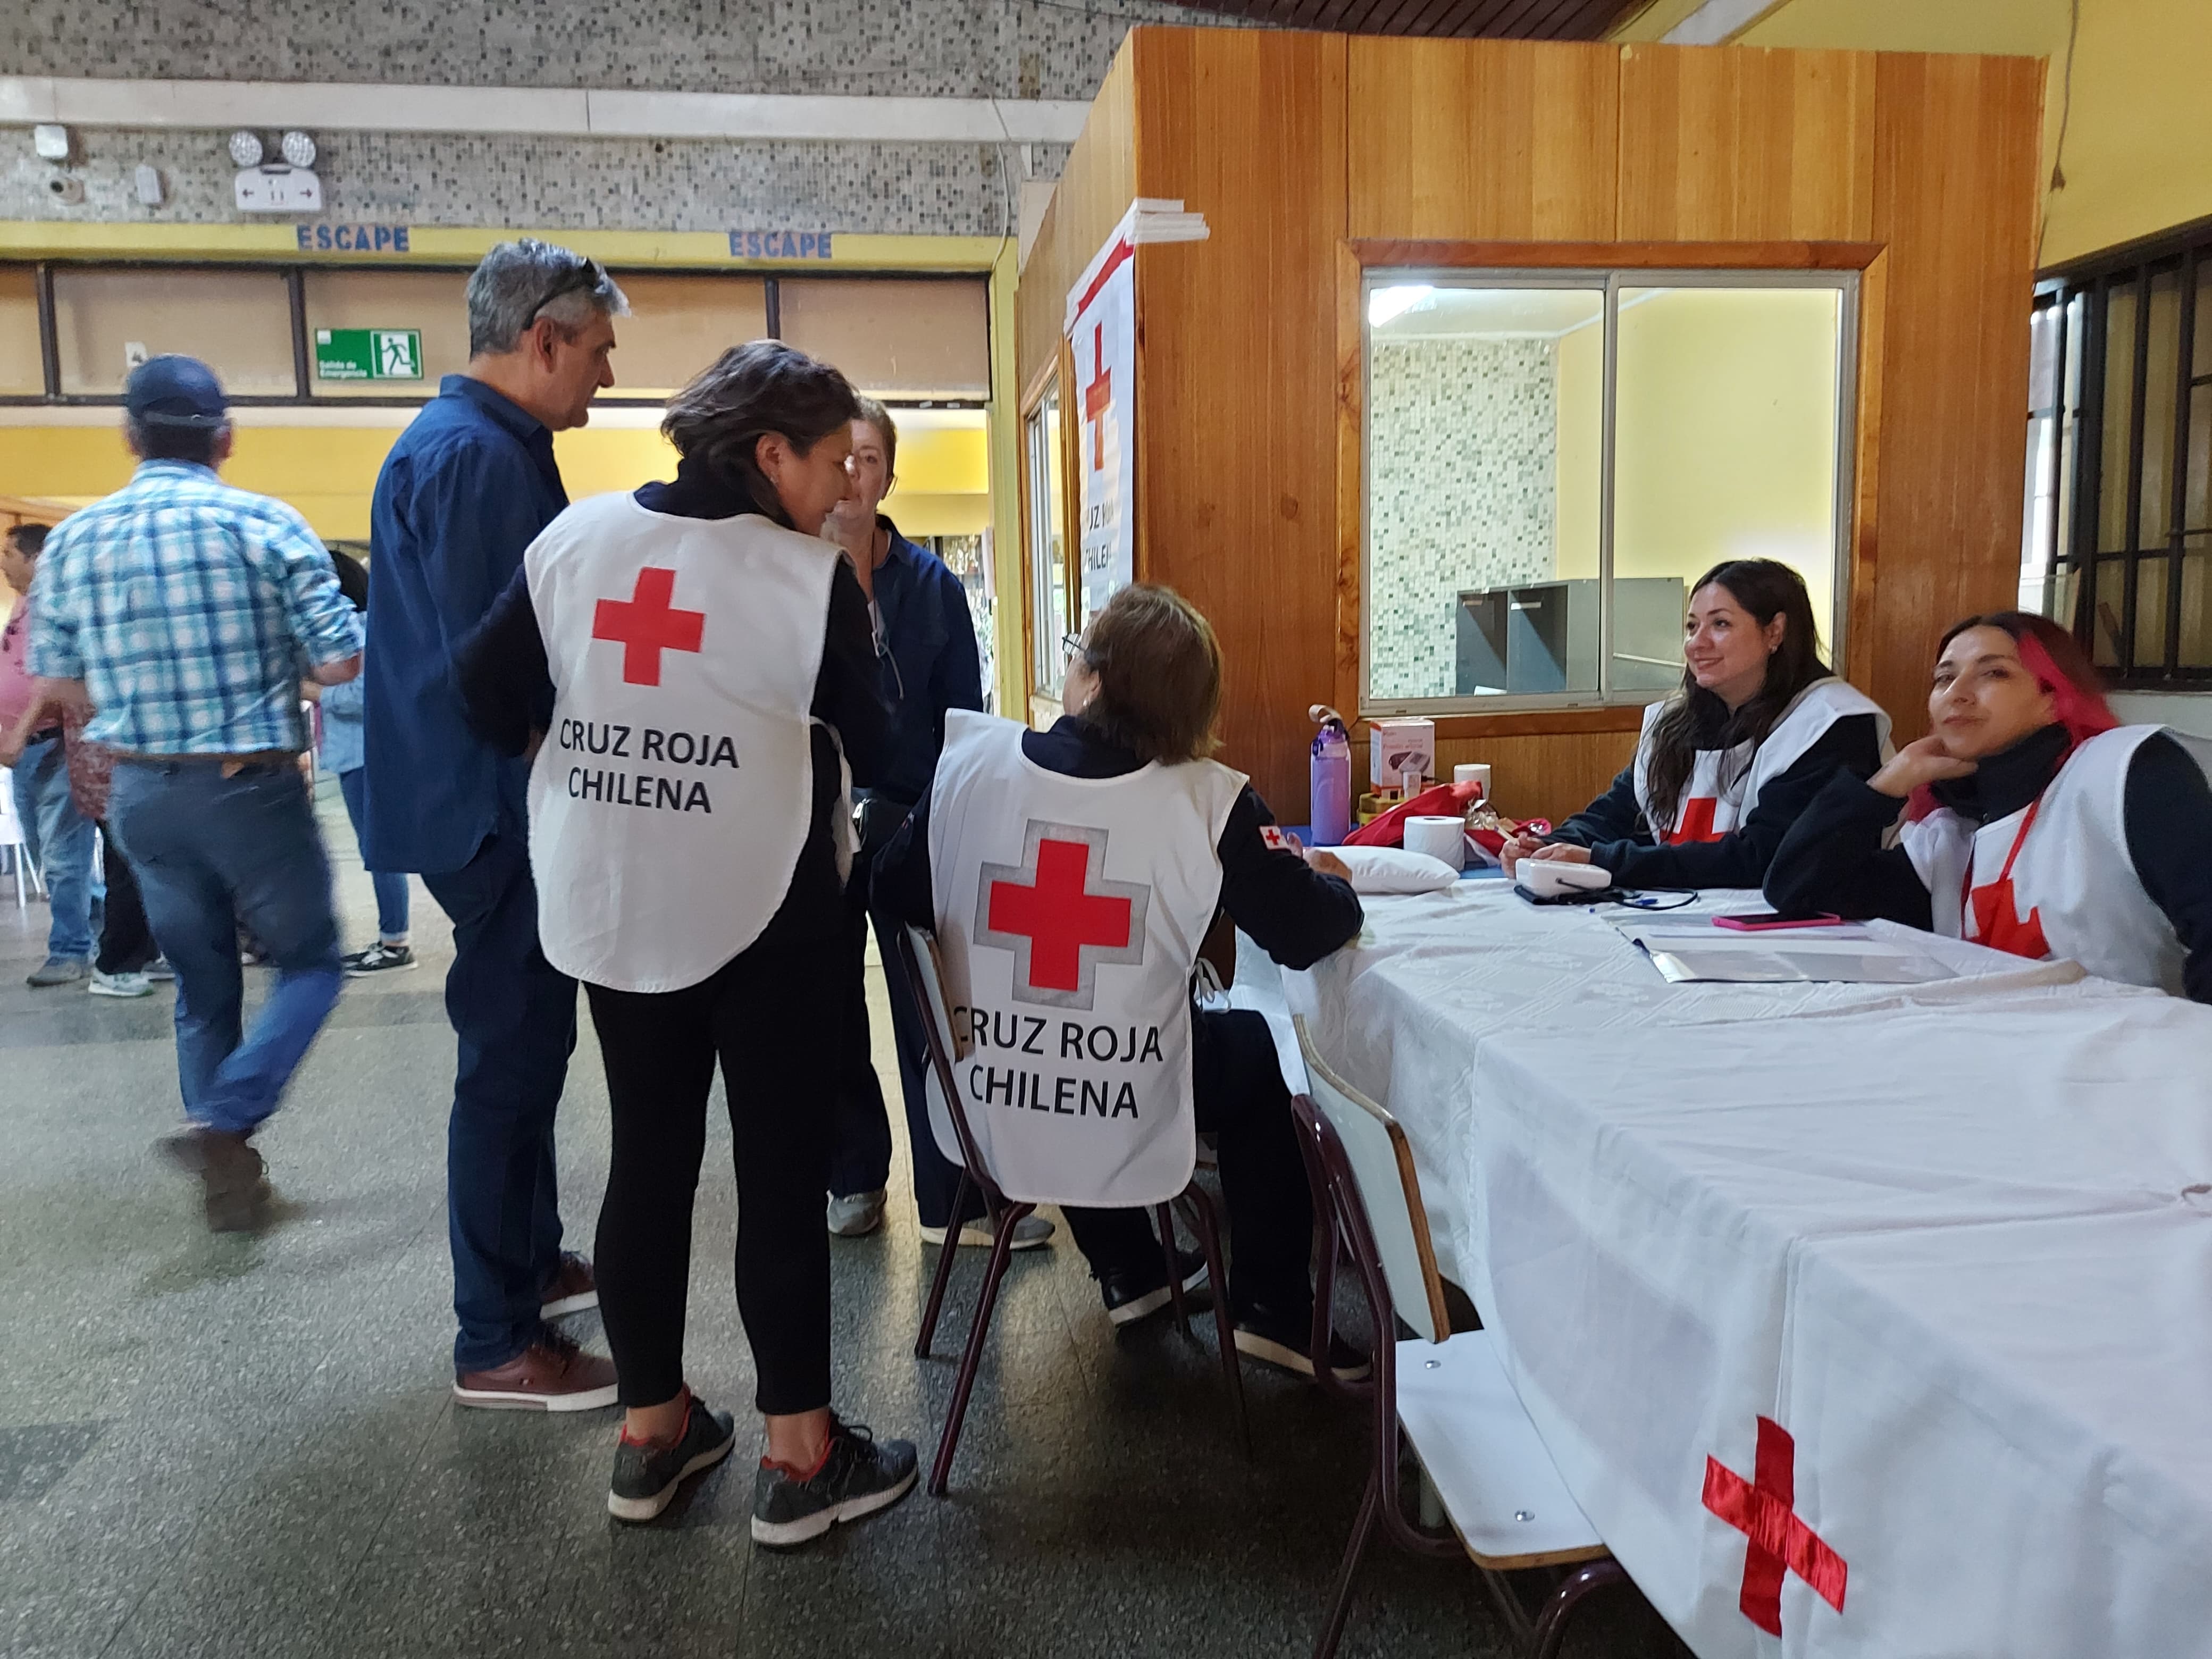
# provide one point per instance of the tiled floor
(247, 1446)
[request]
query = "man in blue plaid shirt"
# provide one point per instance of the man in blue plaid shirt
(186, 613)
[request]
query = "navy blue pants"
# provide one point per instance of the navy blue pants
(514, 1014)
(860, 1129)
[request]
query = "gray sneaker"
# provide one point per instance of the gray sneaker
(857, 1478)
(1029, 1232)
(858, 1216)
(646, 1477)
(60, 970)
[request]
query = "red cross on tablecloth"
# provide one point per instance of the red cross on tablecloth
(647, 623)
(1057, 917)
(1098, 397)
(1763, 1509)
(1696, 822)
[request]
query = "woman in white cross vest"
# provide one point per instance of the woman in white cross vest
(1724, 766)
(688, 659)
(2034, 821)
(1069, 876)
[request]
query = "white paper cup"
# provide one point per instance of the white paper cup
(1439, 837)
(1474, 772)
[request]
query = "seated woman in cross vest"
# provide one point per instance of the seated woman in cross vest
(2034, 822)
(1070, 877)
(1726, 764)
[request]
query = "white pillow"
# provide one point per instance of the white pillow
(1393, 870)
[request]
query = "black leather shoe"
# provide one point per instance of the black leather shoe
(1133, 1294)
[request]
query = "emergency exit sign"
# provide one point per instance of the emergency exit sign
(368, 354)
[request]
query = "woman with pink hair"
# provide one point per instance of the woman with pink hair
(2034, 821)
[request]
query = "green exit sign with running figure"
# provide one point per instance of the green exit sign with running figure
(368, 354)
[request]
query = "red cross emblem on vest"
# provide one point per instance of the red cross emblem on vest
(1696, 822)
(1999, 924)
(1764, 1510)
(1058, 914)
(647, 623)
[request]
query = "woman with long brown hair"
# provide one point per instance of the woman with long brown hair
(1725, 765)
(2034, 821)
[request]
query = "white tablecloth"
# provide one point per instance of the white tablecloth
(1955, 1241)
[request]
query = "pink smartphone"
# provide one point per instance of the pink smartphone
(1767, 921)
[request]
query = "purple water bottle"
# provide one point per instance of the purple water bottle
(1330, 769)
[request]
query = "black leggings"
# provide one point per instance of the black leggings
(1236, 1085)
(771, 1016)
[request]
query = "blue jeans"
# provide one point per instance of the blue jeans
(514, 1014)
(211, 851)
(59, 841)
(391, 888)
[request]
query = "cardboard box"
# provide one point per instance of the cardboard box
(1396, 746)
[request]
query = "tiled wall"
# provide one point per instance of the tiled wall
(1462, 454)
(1020, 49)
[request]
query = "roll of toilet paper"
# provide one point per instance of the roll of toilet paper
(1439, 837)
(1474, 772)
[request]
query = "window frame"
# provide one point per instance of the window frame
(2075, 522)
(1043, 514)
(1609, 281)
(295, 274)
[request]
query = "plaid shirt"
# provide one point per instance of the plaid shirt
(192, 611)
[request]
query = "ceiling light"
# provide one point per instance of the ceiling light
(299, 150)
(1385, 303)
(245, 149)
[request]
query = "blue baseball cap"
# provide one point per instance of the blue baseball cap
(175, 391)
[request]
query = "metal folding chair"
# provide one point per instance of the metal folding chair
(27, 874)
(917, 962)
(1448, 1395)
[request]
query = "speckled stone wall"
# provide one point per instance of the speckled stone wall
(615, 184)
(1023, 49)
(1462, 452)
(916, 48)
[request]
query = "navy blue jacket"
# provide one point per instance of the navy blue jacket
(931, 664)
(467, 487)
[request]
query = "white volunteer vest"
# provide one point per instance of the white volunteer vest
(1069, 915)
(1724, 783)
(669, 801)
(2055, 879)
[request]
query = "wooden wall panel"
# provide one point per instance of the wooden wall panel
(1095, 190)
(1958, 148)
(1237, 457)
(1547, 776)
(1481, 140)
(1744, 144)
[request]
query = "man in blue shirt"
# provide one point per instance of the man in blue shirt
(185, 614)
(463, 493)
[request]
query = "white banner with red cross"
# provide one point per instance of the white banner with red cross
(1883, 1335)
(1102, 333)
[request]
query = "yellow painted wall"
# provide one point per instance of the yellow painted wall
(1724, 433)
(2135, 159)
(1580, 401)
(1725, 437)
(328, 472)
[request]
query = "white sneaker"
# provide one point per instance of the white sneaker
(858, 1216)
(1029, 1231)
(119, 985)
